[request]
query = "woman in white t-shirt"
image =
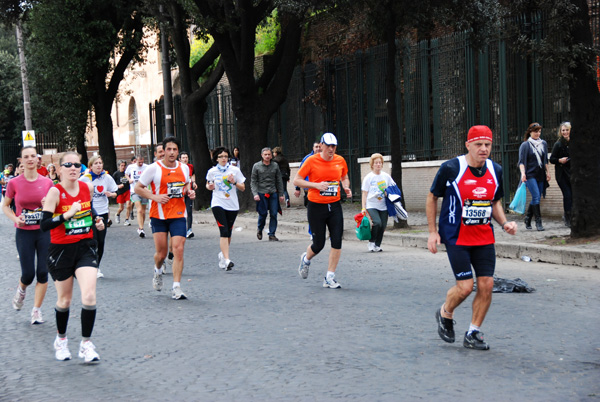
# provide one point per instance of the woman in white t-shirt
(104, 187)
(224, 180)
(373, 200)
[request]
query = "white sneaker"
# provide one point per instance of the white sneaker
(126, 223)
(157, 281)
(303, 267)
(377, 249)
(87, 352)
(118, 218)
(331, 283)
(177, 294)
(141, 233)
(221, 260)
(371, 246)
(36, 316)
(18, 299)
(61, 346)
(99, 274)
(228, 265)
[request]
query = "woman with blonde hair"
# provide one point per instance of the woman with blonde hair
(373, 188)
(69, 217)
(104, 188)
(562, 168)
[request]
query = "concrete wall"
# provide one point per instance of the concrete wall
(418, 176)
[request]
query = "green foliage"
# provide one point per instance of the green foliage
(11, 107)
(199, 48)
(267, 35)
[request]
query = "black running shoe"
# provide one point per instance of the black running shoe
(445, 327)
(475, 341)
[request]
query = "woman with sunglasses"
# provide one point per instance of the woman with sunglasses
(68, 215)
(224, 180)
(104, 187)
(533, 163)
(562, 169)
(27, 190)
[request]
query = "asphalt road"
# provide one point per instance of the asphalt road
(260, 332)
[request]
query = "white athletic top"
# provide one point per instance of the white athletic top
(225, 194)
(135, 172)
(375, 185)
(101, 184)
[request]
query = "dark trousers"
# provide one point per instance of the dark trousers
(379, 220)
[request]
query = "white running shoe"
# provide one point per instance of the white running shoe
(36, 316)
(99, 274)
(331, 283)
(221, 261)
(126, 223)
(19, 299)
(377, 249)
(157, 281)
(303, 268)
(371, 246)
(177, 294)
(118, 218)
(61, 346)
(141, 233)
(87, 351)
(228, 265)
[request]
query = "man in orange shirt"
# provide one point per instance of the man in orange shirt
(170, 182)
(326, 171)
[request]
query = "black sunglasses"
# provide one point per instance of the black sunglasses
(70, 164)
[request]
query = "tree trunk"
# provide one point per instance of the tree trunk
(106, 141)
(392, 110)
(585, 135)
(193, 97)
(252, 129)
(196, 135)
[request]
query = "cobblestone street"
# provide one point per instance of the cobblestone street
(260, 332)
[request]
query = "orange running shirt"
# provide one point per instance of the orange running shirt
(318, 170)
(170, 181)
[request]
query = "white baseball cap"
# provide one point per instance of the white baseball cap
(328, 139)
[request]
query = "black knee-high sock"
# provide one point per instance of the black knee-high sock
(62, 319)
(88, 317)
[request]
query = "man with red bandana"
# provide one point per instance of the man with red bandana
(471, 187)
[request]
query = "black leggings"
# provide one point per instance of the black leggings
(100, 236)
(30, 243)
(322, 217)
(225, 220)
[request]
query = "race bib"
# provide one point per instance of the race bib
(32, 217)
(124, 180)
(332, 190)
(175, 189)
(79, 225)
(477, 212)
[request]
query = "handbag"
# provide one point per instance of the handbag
(519, 200)
(363, 231)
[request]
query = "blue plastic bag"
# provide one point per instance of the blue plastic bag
(520, 199)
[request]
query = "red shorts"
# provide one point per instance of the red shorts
(123, 198)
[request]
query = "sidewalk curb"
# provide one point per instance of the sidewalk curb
(537, 252)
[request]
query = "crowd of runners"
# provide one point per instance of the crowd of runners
(61, 223)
